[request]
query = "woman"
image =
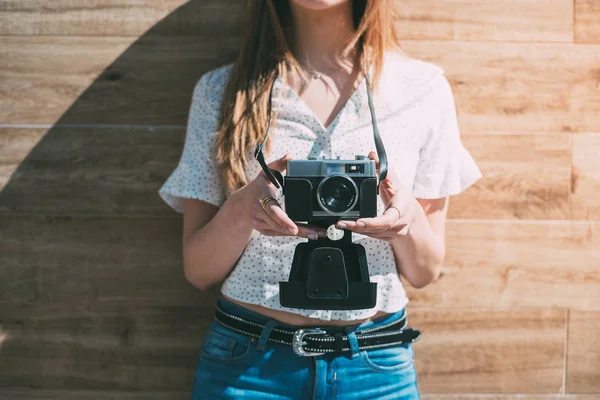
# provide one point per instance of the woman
(317, 59)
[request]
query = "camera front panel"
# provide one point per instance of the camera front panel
(331, 197)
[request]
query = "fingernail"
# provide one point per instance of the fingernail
(292, 231)
(322, 233)
(312, 236)
(360, 224)
(341, 225)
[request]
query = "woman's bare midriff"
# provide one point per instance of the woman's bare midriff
(296, 319)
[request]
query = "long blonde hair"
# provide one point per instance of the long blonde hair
(264, 54)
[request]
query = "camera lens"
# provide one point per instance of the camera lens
(337, 194)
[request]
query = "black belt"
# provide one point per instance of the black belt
(318, 341)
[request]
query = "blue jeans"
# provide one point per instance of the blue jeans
(235, 366)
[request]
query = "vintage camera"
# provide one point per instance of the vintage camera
(329, 273)
(323, 189)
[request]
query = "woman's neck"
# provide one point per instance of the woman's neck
(321, 35)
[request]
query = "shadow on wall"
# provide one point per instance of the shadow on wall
(92, 292)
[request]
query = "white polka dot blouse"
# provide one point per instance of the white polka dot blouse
(417, 120)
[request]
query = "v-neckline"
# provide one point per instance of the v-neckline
(335, 121)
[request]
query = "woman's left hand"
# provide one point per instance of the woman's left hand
(398, 215)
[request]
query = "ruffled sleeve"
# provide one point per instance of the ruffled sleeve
(196, 175)
(445, 167)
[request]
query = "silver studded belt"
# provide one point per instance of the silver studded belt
(315, 341)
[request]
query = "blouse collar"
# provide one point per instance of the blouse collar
(291, 106)
(402, 79)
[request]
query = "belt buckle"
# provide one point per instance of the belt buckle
(297, 342)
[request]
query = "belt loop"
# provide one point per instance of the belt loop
(265, 333)
(352, 341)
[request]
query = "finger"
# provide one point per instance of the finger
(310, 232)
(274, 210)
(278, 165)
(262, 224)
(404, 231)
(281, 164)
(320, 230)
(373, 156)
(260, 215)
(343, 224)
(304, 230)
(399, 229)
(382, 223)
(269, 232)
(401, 226)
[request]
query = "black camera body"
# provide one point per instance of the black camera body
(319, 190)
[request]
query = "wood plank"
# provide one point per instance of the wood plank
(586, 177)
(583, 361)
(552, 87)
(121, 17)
(103, 346)
(78, 259)
(534, 20)
(488, 264)
(87, 170)
(526, 176)
(489, 351)
(76, 170)
(17, 284)
(148, 81)
(123, 346)
(587, 17)
(508, 264)
(519, 87)
(37, 394)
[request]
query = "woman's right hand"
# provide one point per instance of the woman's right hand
(272, 221)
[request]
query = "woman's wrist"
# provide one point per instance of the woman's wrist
(239, 210)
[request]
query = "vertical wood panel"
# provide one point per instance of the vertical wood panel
(517, 87)
(526, 176)
(586, 176)
(536, 20)
(587, 21)
(93, 170)
(121, 17)
(46, 80)
(583, 369)
(100, 345)
(84, 259)
(516, 264)
(489, 351)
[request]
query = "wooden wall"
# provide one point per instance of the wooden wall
(93, 103)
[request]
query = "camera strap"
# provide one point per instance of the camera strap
(276, 177)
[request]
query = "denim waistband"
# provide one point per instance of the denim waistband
(235, 309)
